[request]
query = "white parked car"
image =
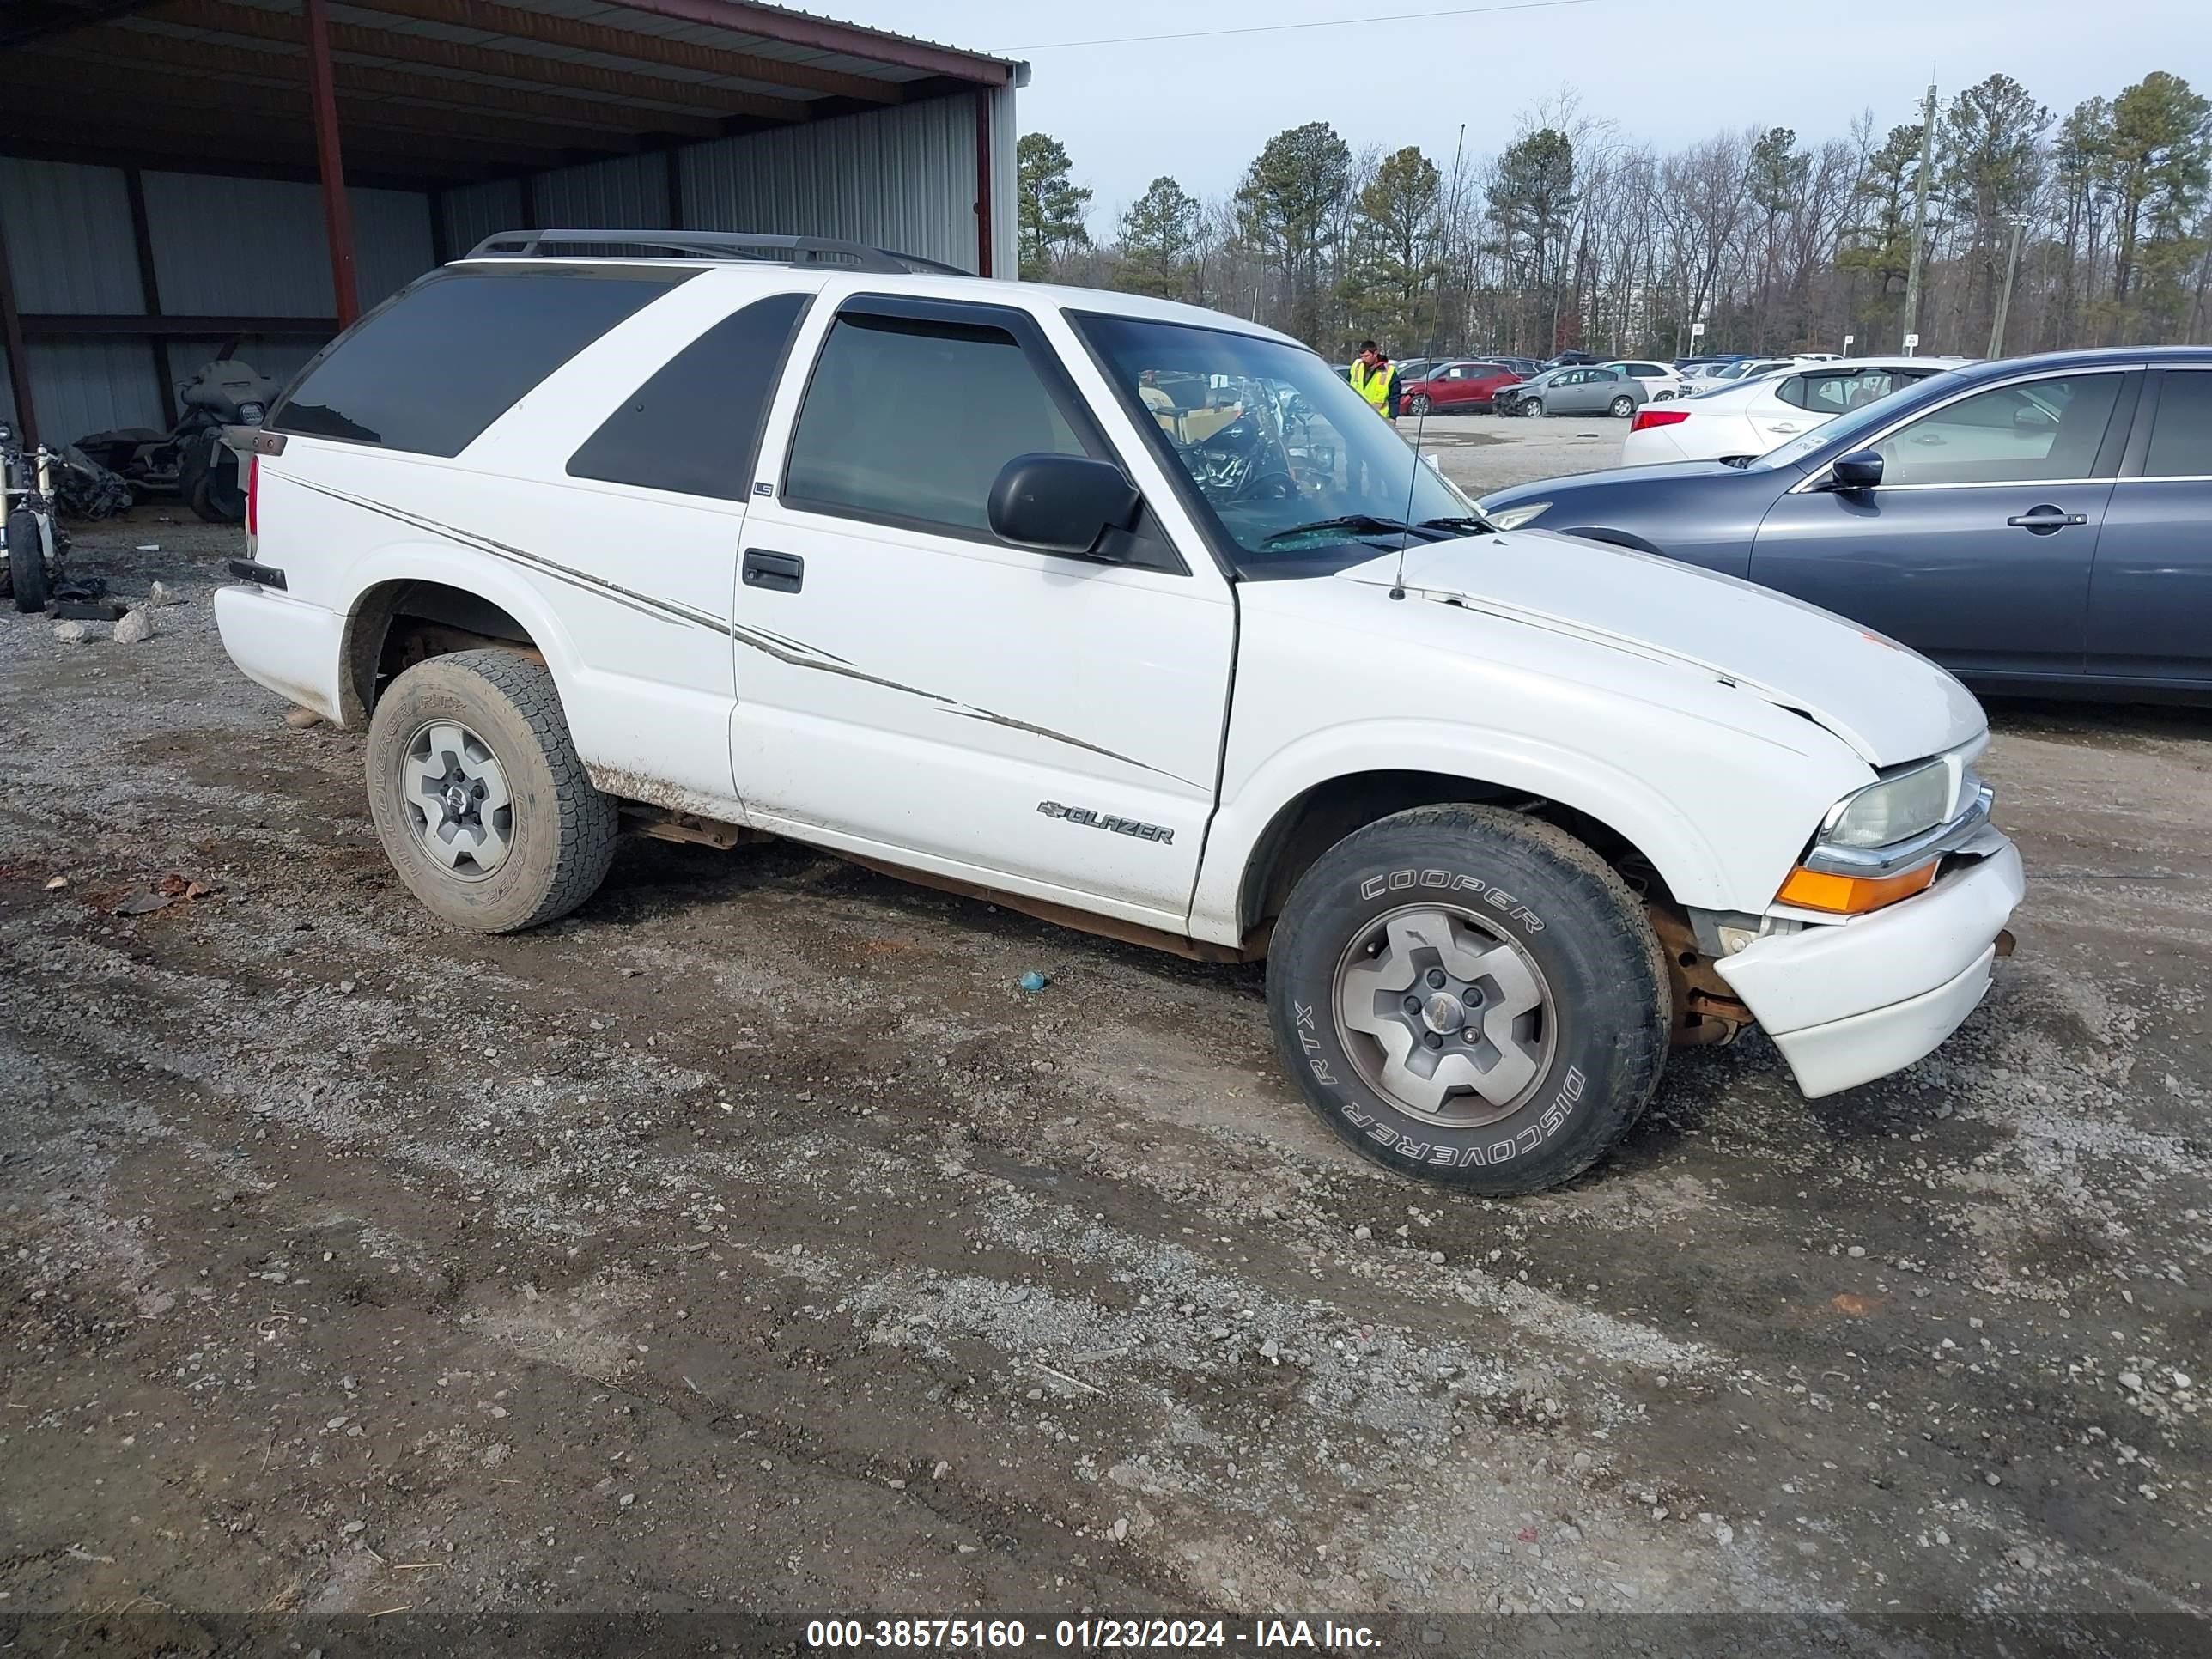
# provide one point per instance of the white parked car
(1126, 613)
(1660, 382)
(1752, 415)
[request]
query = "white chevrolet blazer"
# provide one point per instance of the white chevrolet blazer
(1125, 613)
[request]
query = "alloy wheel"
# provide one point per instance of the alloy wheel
(457, 800)
(1444, 1015)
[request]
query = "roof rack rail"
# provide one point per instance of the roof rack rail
(703, 244)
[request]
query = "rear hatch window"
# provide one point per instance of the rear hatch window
(430, 369)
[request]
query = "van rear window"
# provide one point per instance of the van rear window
(443, 359)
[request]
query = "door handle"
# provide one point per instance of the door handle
(1782, 426)
(779, 573)
(2044, 520)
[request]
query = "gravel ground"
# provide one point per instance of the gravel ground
(748, 1240)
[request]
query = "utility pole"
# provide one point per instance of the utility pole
(1465, 302)
(1920, 212)
(2004, 293)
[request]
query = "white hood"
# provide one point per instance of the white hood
(1889, 704)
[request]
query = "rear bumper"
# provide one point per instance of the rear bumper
(293, 647)
(1848, 1002)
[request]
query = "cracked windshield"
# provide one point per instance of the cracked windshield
(1292, 462)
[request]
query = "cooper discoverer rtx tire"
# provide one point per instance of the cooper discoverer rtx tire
(1470, 996)
(478, 794)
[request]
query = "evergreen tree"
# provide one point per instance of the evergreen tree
(1159, 236)
(1394, 282)
(1288, 207)
(1051, 204)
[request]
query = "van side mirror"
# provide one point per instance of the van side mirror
(1060, 503)
(1860, 470)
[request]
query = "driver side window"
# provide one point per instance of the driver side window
(910, 420)
(2037, 431)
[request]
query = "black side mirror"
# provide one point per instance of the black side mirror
(1860, 470)
(1060, 503)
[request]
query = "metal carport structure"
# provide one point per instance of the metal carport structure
(167, 166)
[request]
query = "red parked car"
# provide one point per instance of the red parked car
(1457, 387)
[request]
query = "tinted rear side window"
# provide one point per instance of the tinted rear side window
(449, 356)
(694, 426)
(2181, 432)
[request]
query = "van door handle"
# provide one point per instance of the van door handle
(2042, 520)
(779, 573)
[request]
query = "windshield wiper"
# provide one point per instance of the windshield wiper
(1464, 521)
(1362, 523)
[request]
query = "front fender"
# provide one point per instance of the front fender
(1686, 859)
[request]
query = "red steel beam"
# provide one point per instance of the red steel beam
(330, 161)
(983, 181)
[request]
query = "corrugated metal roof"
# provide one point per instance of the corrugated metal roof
(677, 28)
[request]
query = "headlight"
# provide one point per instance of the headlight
(1893, 809)
(1514, 517)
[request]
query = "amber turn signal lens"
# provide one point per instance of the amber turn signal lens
(1851, 895)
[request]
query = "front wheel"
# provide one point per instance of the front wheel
(26, 560)
(1533, 408)
(1470, 996)
(1418, 404)
(1623, 407)
(478, 794)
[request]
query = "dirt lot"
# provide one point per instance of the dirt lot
(751, 1241)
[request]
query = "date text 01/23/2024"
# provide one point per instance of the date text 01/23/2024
(1088, 1635)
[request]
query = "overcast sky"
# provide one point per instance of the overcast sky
(1670, 71)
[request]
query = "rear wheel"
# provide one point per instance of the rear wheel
(1623, 407)
(479, 797)
(1472, 997)
(26, 560)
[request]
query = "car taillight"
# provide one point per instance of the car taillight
(253, 494)
(1647, 418)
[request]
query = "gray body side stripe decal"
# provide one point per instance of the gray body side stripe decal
(793, 651)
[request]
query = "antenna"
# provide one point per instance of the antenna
(1413, 483)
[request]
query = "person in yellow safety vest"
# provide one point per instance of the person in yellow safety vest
(1375, 378)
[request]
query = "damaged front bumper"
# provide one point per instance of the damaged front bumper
(1847, 1002)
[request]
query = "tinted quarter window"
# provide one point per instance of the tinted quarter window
(2037, 430)
(1835, 393)
(914, 420)
(693, 427)
(447, 357)
(2181, 431)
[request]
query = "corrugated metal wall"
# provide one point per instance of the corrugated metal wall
(255, 247)
(222, 246)
(69, 238)
(475, 212)
(901, 177)
(630, 193)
